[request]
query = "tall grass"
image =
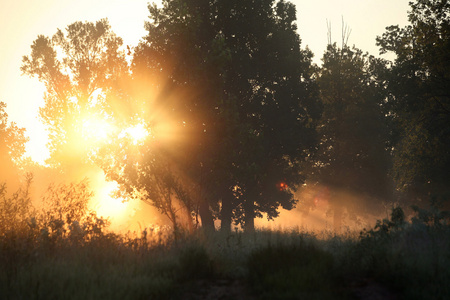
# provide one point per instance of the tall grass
(61, 258)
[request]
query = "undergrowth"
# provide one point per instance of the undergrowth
(60, 254)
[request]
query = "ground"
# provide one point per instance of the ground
(223, 289)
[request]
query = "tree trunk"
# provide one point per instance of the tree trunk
(206, 216)
(189, 220)
(225, 213)
(171, 214)
(249, 218)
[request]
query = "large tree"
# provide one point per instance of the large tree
(78, 66)
(235, 84)
(352, 157)
(419, 85)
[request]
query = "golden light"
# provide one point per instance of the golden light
(138, 133)
(108, 205)
(95, 129)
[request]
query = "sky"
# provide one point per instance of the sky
(21, 21)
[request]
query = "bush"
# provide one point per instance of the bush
(65, 252)
(289, 271)
(410, 258)
(194, 263)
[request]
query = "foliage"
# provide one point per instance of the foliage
(143, 173)
(351, 159)
(230, 102)
(434, 215)
(65, 214)
(77, 67)
(12, 136)
(386, 226)
(291, 272)
(16, 209)
(12, 148)
(418, 85)
(352, 151)
(195, 263)
(410, 257)
(86, 76)
(407, 260)
(247, 119)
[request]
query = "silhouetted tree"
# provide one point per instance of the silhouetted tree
(232, 78)
(419, 85)
(352, 156)
(65, 213)
(77, 67)
(88, 79)
(15, 208)
(12, 149)
(144, 173)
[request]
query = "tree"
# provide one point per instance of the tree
(12, 149)
(419, 98)
(88, 106)
(352, 156)
(77, 68)
(233, 81)
(143, 173)
(15, 210)
(65, 214)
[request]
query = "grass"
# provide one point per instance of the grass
(407, 260)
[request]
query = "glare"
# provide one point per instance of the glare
(138, 133)
(109, 205)
(96, 129)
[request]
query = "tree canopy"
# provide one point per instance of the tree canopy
(233, 81)
(352, 155)
(220, 114)
(418, 82)
(12, 148)
(77, 67)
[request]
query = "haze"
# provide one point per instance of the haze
(22, 21)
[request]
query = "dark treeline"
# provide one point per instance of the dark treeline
(240, 119)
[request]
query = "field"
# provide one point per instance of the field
(394, 260)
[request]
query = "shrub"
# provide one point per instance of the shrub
(410, 258)
(288, 271)
(194, 263)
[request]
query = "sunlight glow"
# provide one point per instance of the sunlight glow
(95, 129)
(124, 213)
(138, 133)
(108, 204)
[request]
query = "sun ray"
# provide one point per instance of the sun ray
(108, 204)
(95, 129)
(136, 133)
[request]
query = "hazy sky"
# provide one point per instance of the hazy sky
(21, 21)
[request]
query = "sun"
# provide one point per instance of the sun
(95, 130)
(136, 133)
